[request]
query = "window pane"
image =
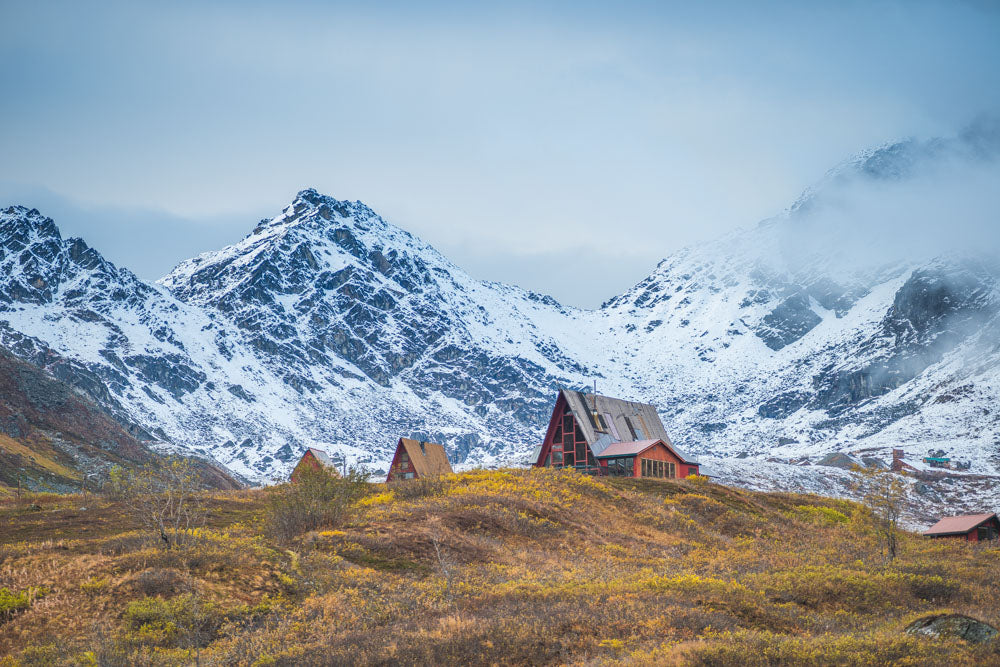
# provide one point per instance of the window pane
(567, 423)
(557, 458)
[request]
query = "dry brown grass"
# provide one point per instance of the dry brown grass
(504, 567)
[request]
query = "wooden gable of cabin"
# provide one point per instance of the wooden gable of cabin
(986, 531)
(565, 445)
(310, 461)
(415, 458)
(661, 462)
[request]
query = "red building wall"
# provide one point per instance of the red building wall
(397, 471)
(308, 460)
(659, 452)
(564, 444)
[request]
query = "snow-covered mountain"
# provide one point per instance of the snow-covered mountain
(325, 325)
(329, 326)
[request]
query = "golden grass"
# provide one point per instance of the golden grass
(495, 567)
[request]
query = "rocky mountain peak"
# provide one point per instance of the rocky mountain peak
(19, 224)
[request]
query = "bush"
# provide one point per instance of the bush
(318, 498)
(12, 603)
(164, 498)
(95, 585)
(746, 649)
(161, 581)
(421, 487)
(822, 514)
(183, 619)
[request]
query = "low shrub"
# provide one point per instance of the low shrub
(41, 655)
(161, 581)
(749, 648)
(170, 622)
(421, 487)
(318, 498)
(834, 587)
(826, 515)
(12, 603)
(95, 585)
(126, 543)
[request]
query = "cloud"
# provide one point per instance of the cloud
(907, 202)
(148, 242)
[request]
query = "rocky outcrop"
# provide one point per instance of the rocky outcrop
(953, 626)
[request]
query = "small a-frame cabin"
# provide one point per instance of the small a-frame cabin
(314, 459)
(415, 458)
(601, 435)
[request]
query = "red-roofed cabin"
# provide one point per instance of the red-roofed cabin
(970, 527)
(644, 458)
(600, 435)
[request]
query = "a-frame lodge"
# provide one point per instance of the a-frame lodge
(601, 435)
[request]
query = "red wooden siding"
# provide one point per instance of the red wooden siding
(307, 460)
(564, 444)
(401, 467)
(658, 452)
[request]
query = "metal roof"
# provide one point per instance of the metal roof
(323, 458)
(633, 448)
(536, 452)
(953, 525)
(429, 458)
(619, 420)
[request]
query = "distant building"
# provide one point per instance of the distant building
(415, 458)
(314, 459)
(601, 435)
(970, 527)
(898, 464)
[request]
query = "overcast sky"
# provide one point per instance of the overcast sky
(565, 149)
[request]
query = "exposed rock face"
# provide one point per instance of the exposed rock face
(328, 326)
(953, 626)
(790, 320)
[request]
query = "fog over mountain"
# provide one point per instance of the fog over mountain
(909, 201)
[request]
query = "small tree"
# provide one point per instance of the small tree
(318, 498)
(163, 498)
(884, 495)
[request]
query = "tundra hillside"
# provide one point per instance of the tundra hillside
(511, 566)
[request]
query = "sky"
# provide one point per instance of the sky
(563, 147)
